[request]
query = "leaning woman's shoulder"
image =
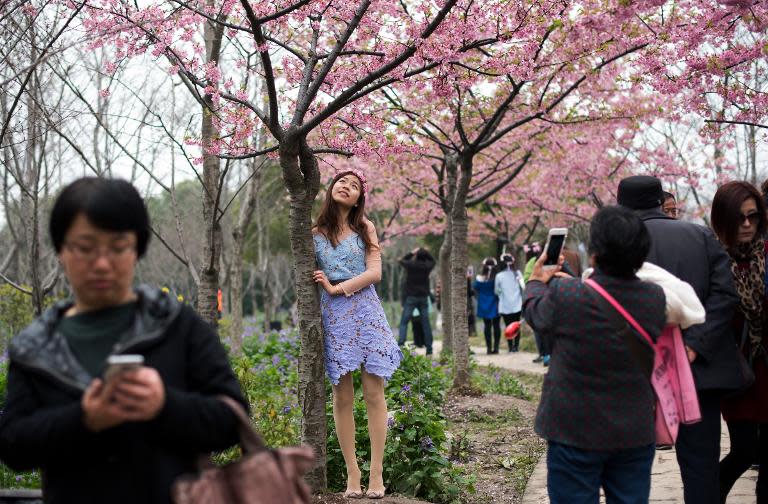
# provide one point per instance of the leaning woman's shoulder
(369, 226)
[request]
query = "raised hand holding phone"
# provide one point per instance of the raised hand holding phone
(554, 247)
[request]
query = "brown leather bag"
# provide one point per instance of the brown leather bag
(261, 476)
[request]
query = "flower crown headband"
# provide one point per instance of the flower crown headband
(357, 173)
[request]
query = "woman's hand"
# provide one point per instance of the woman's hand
(545, 275)
(320, 278)
(132, 396)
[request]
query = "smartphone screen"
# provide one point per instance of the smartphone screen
(554, 249)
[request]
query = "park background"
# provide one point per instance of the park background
(478, 124)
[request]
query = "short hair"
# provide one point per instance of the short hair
(619, 241)
(109, 204)
(726, 210)
(668, 195)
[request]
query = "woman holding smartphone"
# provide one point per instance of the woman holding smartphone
(357, 333)
(126, 438)
(597, 407)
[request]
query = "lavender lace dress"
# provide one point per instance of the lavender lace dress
(356, 328)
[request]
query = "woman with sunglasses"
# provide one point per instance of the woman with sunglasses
(739, 220)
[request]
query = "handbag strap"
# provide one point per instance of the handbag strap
(641, 352)
(624, 313)
(250, 440)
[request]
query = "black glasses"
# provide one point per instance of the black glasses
(752, 219)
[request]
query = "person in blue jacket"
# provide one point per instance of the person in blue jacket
(488, 304)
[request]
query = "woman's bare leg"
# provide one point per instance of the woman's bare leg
(343, 416)
(373, 392)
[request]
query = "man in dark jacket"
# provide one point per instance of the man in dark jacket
(417, 264)
(693, 254)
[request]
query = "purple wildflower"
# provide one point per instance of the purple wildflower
(426, 444)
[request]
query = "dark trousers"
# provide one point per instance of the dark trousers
(411, 303)
(749, 443)
(514, 344)
(574, 476)
(698, 453)
(495, 325)
(541, 344)
(417, 331)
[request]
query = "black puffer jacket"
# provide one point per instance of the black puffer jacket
(42, 427)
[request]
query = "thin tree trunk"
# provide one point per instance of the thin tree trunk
(311, 366)
(209, 270)
(236, 279)
(30, 196)
(445, 289)
(461, 378)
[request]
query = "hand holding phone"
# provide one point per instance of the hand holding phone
(117, 364)
(554, 246)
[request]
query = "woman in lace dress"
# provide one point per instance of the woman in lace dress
(357, 333)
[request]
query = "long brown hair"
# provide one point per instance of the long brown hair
(327, 222)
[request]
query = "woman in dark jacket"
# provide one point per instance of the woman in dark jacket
(126, 438)
(597, 406)
(739, 221)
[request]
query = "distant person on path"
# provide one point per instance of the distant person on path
(509, 286)
(739, 220)
(417, 264)
(357, 333)
(669, 206)
(532, 253)
(127, 438)
(488, 304)
(597, 406)
(693, 254)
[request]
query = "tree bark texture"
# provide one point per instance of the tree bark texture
(209, 269)
(446, 293)
(302, 178)
(461, 378)
(445, 289)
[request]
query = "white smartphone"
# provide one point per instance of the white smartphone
(117, 364)
(554, 246)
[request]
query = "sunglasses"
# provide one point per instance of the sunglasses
(752, 219)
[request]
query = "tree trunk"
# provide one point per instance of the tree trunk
(236, 279)
(298, 165)
(209, 271)
(461, 378)
(32, 177)
(445, 289)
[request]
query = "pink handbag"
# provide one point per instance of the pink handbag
(671, 378)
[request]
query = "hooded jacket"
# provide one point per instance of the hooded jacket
(42, 426)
